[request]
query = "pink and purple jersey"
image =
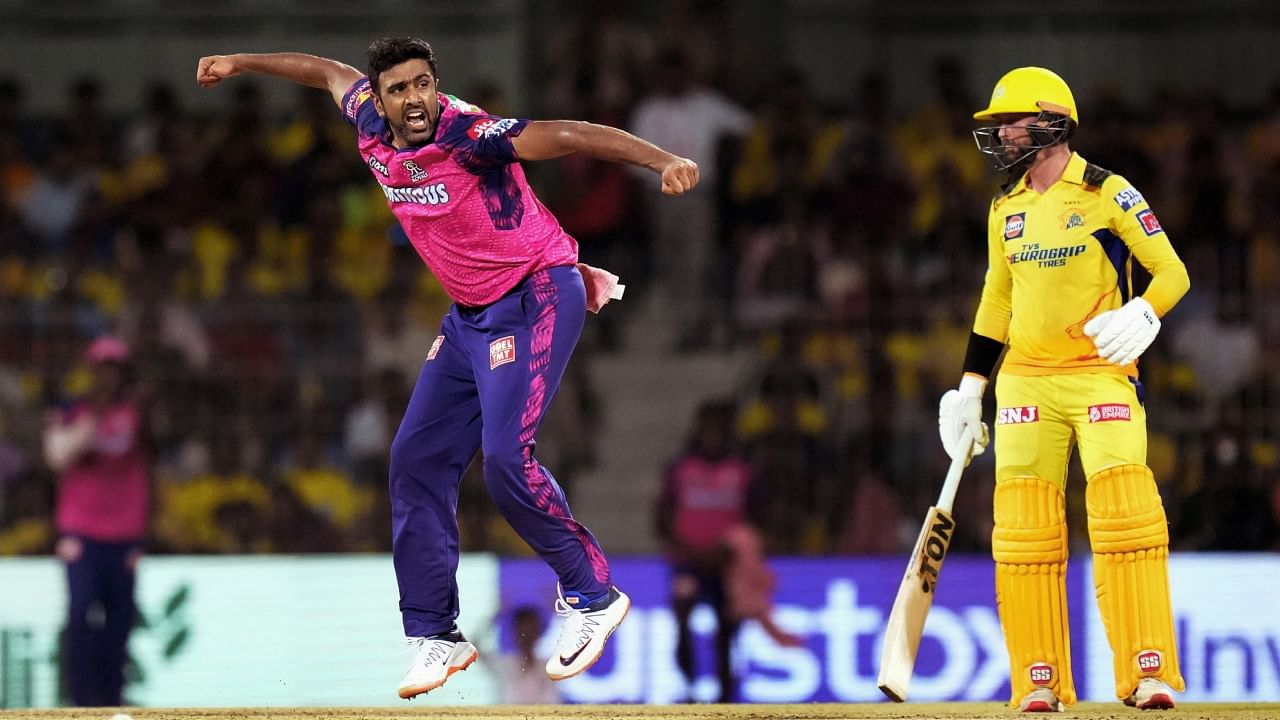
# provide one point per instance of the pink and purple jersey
(462, 199)
(105, 494)
(707, 499)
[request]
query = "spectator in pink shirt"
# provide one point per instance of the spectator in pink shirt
(96, 446)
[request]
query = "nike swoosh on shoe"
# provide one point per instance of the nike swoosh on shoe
(569, 660)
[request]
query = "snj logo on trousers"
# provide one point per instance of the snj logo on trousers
(502, 351)
(1110, 412)
(1018, 415)
(435, 348)
(1041, 674)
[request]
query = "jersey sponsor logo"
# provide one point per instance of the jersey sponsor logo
(1040, 674)
(1018, 415)
(376, 164)
(489, 127)
(426, 195)
(1014, 225)
(1110, 412)
(502, 351)
(1128, 198)
(1034, 253)
(462, 105)
(356, 99)
(435, 348)
(1150, 661)
(1073, 220)
(416, 173)
(1150, 224)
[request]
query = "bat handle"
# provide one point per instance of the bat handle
(949, 486)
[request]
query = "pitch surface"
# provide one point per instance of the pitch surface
(815, 711)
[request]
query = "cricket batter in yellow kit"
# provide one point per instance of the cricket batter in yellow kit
(1062, 238)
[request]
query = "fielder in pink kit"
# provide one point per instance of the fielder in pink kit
(96, 445)
(451, 175)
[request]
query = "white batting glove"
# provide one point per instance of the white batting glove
(959, 411)
(1121, 336)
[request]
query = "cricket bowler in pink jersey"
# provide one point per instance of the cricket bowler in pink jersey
(452, 176)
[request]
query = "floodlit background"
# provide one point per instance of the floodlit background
(234, 238)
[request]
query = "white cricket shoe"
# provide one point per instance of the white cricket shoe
(1040, 700)
(1151, 694)
(437, 658)
(584, 632)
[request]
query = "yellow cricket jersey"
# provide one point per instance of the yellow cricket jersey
(1055, 260)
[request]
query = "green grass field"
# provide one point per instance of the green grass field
(816, 711)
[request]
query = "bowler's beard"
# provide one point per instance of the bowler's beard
(416, 138)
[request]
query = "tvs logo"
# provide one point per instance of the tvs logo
(416, 173)
(502, 351)
(376, 164)
(1150, 661)
(1018, 415)
(1046, 257)
(1041, 674)
(1150, 225)
(435, 348)
(1014, 225)
(1128, 198)
(1110, 412)
(489, 127)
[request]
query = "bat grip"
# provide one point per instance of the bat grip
(947, 497)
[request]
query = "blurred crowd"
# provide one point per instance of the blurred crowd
(278, 319)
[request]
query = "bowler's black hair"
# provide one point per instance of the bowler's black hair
(385, 53)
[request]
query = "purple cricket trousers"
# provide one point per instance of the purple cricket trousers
(486, 384)
(100, 616)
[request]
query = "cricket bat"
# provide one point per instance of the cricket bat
(915, 594)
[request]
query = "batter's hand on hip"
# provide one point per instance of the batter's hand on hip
(960, 410)
(1121, 336)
